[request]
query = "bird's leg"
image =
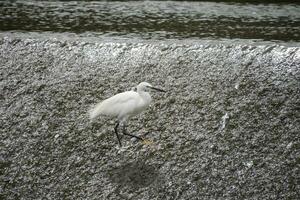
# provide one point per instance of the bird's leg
(116, 131)
(125, 133)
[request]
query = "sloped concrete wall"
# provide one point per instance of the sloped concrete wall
(228, 127)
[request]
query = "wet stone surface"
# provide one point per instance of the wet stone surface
(136, 175)
(227, 128)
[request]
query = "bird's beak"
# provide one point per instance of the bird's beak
(158, 89)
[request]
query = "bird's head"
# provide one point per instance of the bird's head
(144, 86)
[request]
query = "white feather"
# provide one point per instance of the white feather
(126, 103)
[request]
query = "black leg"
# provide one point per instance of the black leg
(125, 133)
(116, 131)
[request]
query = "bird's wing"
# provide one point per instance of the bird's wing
(117, 105)
(123, 103)
(123, 98)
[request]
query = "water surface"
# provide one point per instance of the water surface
(155, 19)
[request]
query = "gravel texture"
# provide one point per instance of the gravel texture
(228, 127)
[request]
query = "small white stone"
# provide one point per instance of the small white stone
(249, 164)
(289, 145)
(224, 118)
(236, 86)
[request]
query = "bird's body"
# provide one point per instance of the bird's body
(124, 105)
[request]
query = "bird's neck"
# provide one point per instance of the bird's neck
(145, 96)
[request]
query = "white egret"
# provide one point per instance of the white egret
(125, 105)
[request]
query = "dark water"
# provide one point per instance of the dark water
(227, 128)
(154, 19)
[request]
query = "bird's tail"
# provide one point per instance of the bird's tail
(95, 111)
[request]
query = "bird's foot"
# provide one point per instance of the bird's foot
(147, 142)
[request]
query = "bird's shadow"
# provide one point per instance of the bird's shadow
(134, 175)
